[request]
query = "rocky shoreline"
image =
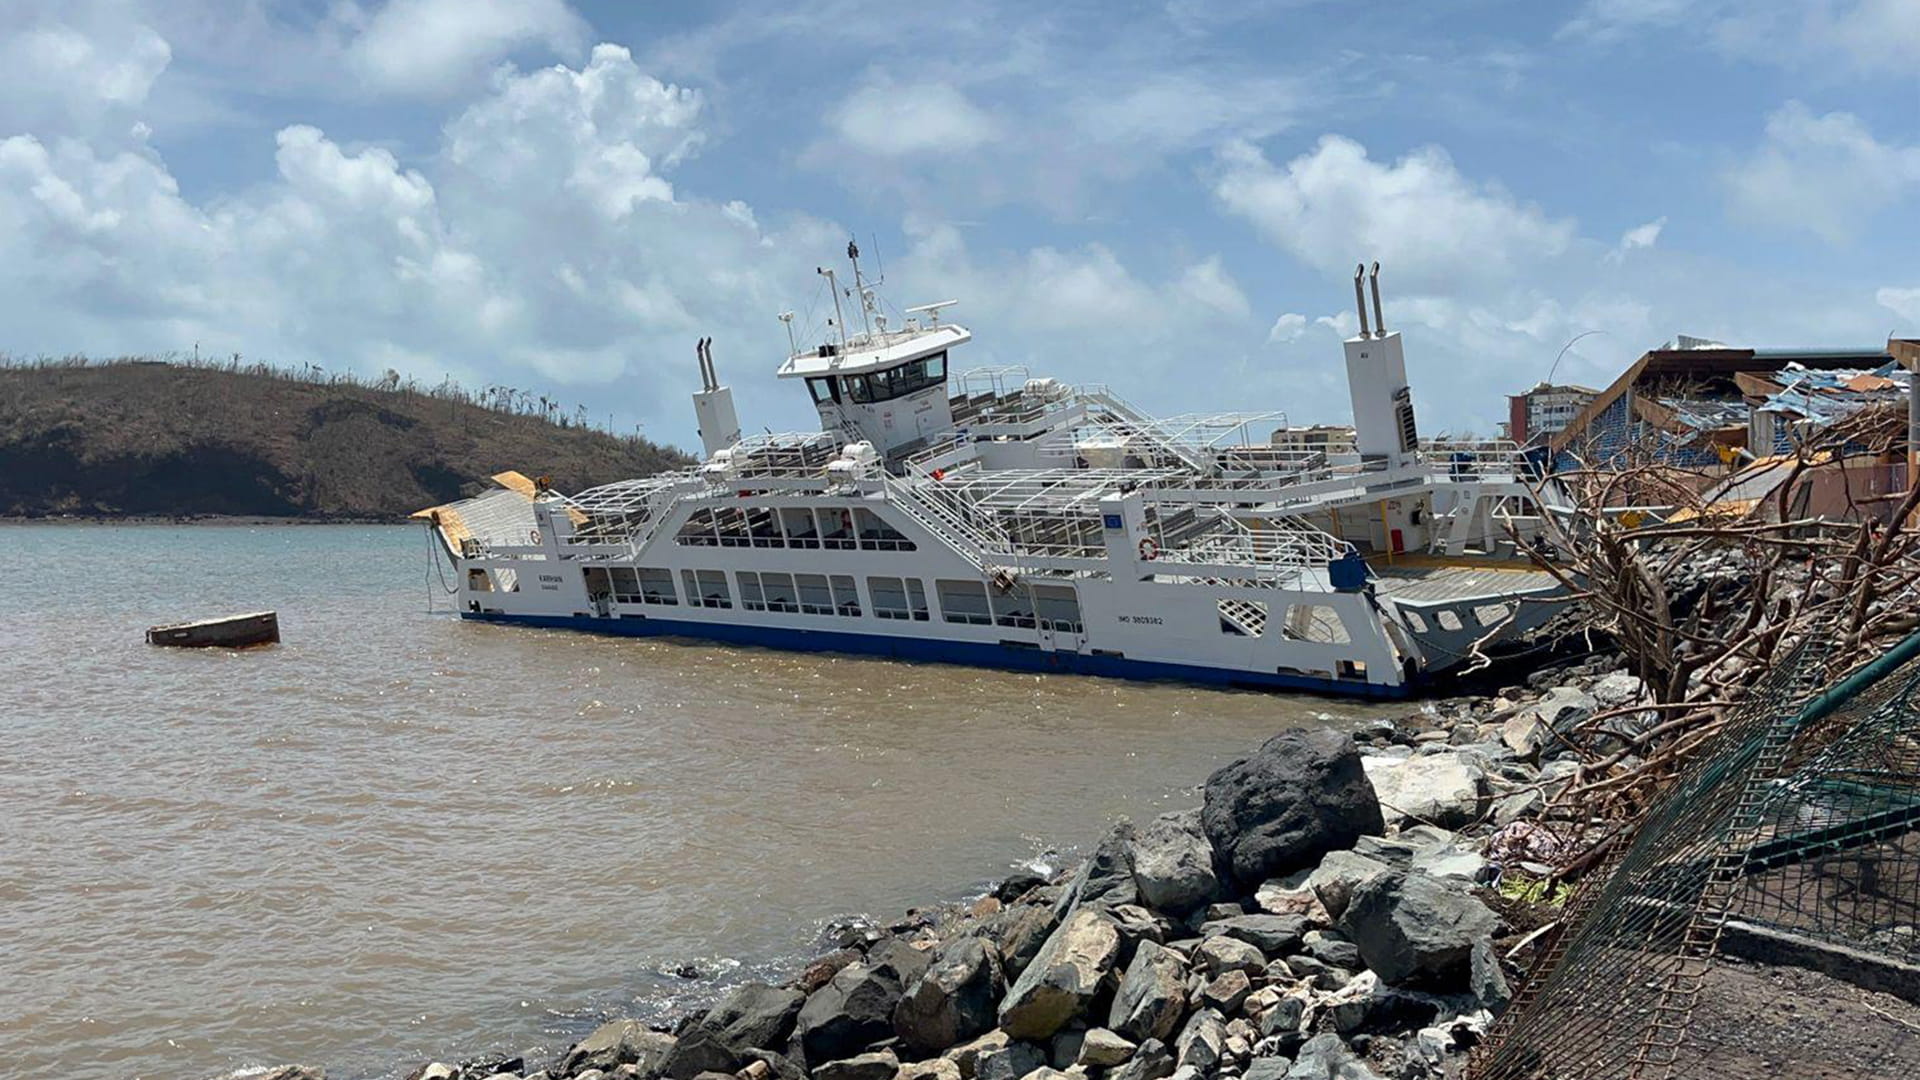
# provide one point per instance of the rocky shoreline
(1339, 907)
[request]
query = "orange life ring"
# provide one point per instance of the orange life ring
(534, 536)
(1148, 549)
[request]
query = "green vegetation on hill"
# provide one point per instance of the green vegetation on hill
(153, 438)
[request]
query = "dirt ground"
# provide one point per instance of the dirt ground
(1775, 1023)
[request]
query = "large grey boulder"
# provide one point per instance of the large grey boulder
(1274, 935)
(1414, 930)
(1064, 978)
(1267, 1068)
(620, 1042)
(1202, 1042)
(879, 1065)
(1445, 789)
(1101, 1048)
(1339, 874)
(1106, 877)
(955, 999)
(1017, 934)
(1539, 727)
(1152, 995)
(1011, 1062)
(855, 1010)
(1326, 1057)
(1220, 954)
(1153, 1060)
(1173, 865)
(1301, 795)
(966, 1057)
(753, 1016)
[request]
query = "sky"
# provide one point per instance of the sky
(1167, 198)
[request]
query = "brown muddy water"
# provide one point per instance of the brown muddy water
(399, 836)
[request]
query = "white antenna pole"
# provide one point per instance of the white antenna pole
(839, 318)
(793, 344)
(859, 287)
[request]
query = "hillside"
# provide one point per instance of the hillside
(147, 438)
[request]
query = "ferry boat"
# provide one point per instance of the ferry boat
(991, 518)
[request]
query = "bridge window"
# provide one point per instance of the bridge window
(899, 381)
(964, 602)
(707, 588)
(824, 390)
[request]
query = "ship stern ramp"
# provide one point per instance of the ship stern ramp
(1454, 610)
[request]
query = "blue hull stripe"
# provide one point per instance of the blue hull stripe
(970, 653)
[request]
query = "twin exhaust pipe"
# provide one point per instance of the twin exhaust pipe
(1360, 300)
(704, 353)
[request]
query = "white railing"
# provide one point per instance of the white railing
(948, 518)
(1290, 548)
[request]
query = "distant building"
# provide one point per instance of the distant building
(1544, 410)
(1702, 404)
(1327, 438)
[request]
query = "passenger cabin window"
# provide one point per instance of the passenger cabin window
(836, 529)
(1058, 608)
(825, 390)
(964, 602)
(897, 599)
(1014, 609)
(656, 586)
(889, 598)
(815, 598)
(706, 588)
(698, 530)
(846, 598)
(877, 535)
(800, 528)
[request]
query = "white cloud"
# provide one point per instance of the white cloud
(434, 46)
(1418, 216)
(921, 118)
(1870, 36)
(53, 74)
(1826, 174)
(1287, 328)
(1208, 285)
(542, 242)
(1902, 302)
(1636, 238)
(1642, 236)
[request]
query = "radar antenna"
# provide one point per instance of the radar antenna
(932, 310)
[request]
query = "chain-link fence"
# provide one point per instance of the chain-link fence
(1799, 826)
